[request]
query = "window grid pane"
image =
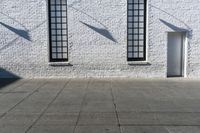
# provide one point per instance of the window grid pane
(58, 30)
(136, 30)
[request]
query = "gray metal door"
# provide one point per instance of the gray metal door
(175, 54)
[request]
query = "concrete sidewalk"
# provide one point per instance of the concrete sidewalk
(100, 106)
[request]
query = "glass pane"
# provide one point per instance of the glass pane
(58, 28)
(136, 30)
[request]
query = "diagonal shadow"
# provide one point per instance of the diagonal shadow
(91, 17)
(173, 27)
(13, 19)
(14, 40)
(22, 33)
(188, 28)
(102, 31)
(4, 75)
(171, 15)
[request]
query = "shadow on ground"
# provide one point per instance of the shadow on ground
(7, 78)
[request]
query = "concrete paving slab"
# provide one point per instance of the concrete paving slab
(66, 102)
(52, 129)
(33, 104)
(121, 94)
(97, 129)
(101, 105)
(179, 119)
(87, 119)
(183, 129)
(53, 85)
(16, 123)
(40, 99)
(162, 93)
(1, 94)
(58, 119)
(64, 108)
(164, 106)
(99, 84)
(134, 118)
(188, 105)
(70, 97)
(157, 93)
(133, 106)
(29, 86)
(143, 129)
(8, 101)
(28, 109)
(12, 129)
(93, 106)
(129, 83)
(77, 84)
(99, 96)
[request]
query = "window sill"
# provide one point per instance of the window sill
(59, 64)
(138, 63)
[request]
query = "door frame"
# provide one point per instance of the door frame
(184, 59)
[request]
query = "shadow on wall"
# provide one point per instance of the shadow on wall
(173, 27)
(101, 31)
(22, 33)
(12, 42)
(7, 78)
(188, 29)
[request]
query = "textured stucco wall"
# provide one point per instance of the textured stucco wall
(24, 40)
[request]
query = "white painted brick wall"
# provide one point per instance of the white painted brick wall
(91, 54)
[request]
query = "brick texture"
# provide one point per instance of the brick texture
(24, 38)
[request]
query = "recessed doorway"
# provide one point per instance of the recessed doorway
(176, 54)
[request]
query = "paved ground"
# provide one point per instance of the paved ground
(100, 106)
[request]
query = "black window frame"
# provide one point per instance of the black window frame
(144, 33)
(50, 33)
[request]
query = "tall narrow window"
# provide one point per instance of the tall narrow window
(58, 30)
(136, 30)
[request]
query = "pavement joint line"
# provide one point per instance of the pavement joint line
(9, 92)
(160, 125)
(43, 112)
(22, 100)
(135, 125)
(155, 112)
(82, 103)
(115, 105)
(157, 117)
